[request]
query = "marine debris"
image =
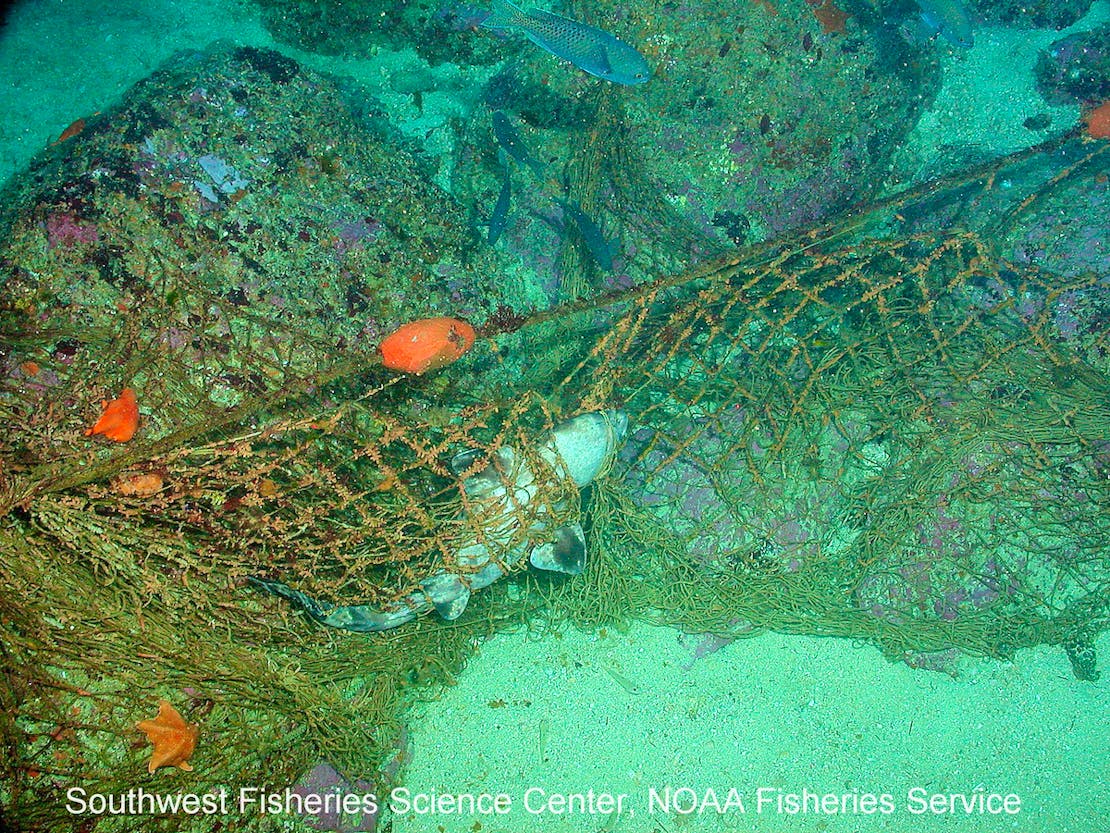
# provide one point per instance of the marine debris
(428, 344)
(506, 519)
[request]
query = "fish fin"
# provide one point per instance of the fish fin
(503, 15)
(605, 68)
(565, 554)
(447, 593)
(366, 619)
(358, 618)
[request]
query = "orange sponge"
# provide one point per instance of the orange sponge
(119, 419)
(1098, 121)
(427, 344)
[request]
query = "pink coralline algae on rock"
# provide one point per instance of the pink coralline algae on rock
(66, 231)
(324, 780)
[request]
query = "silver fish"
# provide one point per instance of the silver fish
(587, 47)
(578, 450)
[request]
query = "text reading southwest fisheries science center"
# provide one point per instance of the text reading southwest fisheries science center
(538, 801)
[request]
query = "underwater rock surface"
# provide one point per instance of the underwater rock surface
(230, 226)
(1059, 14)
(772, 118)
(1076, 68)
(780, 118)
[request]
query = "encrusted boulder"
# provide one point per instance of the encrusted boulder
(760, 119)
(1076, 68)
(231, 230)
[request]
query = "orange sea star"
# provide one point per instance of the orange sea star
(119, 418)
(174, 740)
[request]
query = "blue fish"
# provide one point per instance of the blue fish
(499, 219)
(587, 47)
(950, 19)
(510, 140)
(601, 249)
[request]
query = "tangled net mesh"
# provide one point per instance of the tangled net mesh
(885, 441)
(885, 438)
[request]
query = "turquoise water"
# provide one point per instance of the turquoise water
(758, 121)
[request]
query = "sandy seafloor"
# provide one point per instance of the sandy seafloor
(621, 713)
(782, 713)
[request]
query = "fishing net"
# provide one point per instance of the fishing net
(886, 442)
(868, 431)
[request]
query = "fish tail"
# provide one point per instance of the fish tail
(503, 15)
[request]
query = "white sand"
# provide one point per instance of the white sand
(61, 60)
(785, 713)
(986, 99)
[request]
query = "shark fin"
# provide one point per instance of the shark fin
(447, 593)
